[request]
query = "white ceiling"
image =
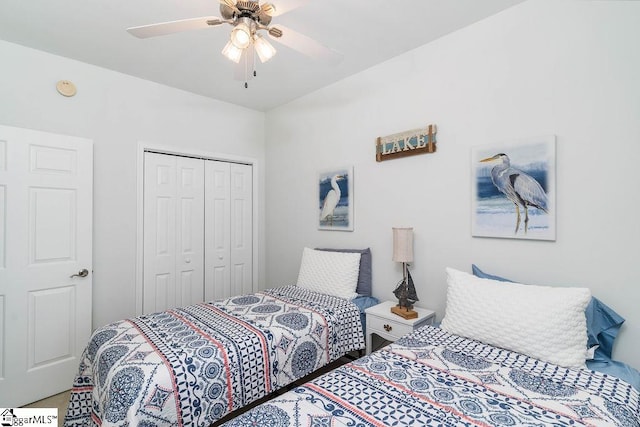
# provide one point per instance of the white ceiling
(366, 32)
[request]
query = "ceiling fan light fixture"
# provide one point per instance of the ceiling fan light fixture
(241, 35)
(232, 52)
(264, 49)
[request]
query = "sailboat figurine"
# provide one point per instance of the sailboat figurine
(407, 295)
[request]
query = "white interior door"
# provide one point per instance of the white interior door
(46, 184)
(217, 230)
(241, 229)
(173, 232)
(229, 229)
(190, 231)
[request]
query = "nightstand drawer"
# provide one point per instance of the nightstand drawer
(391, 327)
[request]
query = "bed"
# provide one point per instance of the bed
(191, 366)
(435, 376)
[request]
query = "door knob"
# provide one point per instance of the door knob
(82, 273)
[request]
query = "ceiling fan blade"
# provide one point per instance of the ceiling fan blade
(307, 46)
(171, 27)
(284, 6)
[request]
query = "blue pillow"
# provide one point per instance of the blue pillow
(603, 323)
(481, 274)
(364, 302)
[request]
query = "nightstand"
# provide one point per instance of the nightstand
(381, 321)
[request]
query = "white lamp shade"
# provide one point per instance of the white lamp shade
(402, 244)
(264, 49)
(241, 36)
(232, 52)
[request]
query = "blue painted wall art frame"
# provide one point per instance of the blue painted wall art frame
(513, 189)
(335, 199)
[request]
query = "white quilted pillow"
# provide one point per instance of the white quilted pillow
(547, 323)
(332, 273)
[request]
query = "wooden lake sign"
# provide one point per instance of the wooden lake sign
(409, 143)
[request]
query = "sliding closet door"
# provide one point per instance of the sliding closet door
(173, 230)
(228, 229)
(217, 231)
(241, 229)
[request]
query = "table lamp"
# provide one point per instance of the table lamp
(405, 290)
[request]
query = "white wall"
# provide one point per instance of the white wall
(116, 111)
(567, 68)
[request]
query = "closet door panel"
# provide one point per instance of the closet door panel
(241, 228)
(159, 232)
(190, 231)
(173, 230)
(217, 230)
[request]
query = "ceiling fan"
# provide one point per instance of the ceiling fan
(249, 20)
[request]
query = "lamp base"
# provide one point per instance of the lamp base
(404, 312)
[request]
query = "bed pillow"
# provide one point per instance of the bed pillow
(481, 274)
(603, 323)
(547, 323)
(364, 274)
(332, 273)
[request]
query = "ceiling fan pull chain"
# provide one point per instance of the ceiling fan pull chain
(246, 71)
(253, 63)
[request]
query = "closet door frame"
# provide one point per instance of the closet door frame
(181, 151)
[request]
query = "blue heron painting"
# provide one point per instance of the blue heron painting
(513, 191)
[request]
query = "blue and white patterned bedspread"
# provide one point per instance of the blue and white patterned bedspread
(433, 378)
(193, 365)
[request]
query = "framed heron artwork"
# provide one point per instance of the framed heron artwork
(335, 199)
(513, 189)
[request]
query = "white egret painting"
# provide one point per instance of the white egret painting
(513, 189)
(335, 196)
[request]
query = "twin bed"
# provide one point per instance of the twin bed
(437, 377)
(191, 366)
(194, 365)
